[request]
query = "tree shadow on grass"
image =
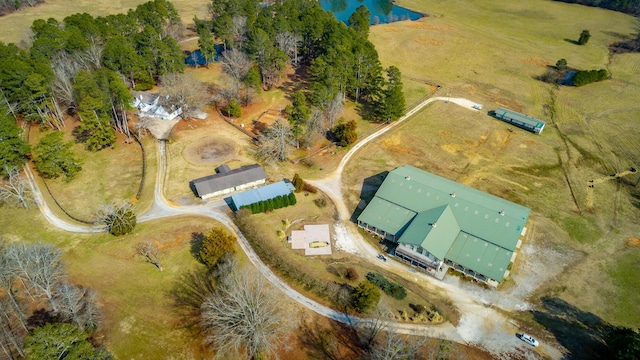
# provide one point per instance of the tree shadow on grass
(187, 295)
(369, 187)
(333, 342)
(571, 41)
(196, 244)
(580, 332)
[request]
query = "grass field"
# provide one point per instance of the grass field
(16, 26)
(593, 132)
(110, 175)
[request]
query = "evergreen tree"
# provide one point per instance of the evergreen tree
(53, 157)
(216, 244)
(207, 45)
(297, 182)
(360, 20)
(14, 150)
(345, 133)
(233, 108)
(394, 102)
(365, 296)
(584, 37)
(292, 199)
(62, 341)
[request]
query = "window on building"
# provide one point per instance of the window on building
(419, 250)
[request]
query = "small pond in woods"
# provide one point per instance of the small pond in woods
(382, 11)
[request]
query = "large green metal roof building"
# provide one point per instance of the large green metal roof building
(453, 222)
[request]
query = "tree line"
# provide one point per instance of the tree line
(9, 6)
(626, 6)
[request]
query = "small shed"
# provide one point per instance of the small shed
(263, 193)
(226, 181)
(520, 120)
(314, 239)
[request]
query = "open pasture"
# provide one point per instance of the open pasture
(492, 52)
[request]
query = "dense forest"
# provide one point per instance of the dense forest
(9, 6)
(626, 6)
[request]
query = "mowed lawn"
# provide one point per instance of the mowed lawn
(111, 175)
(141, 321)
(16, 26)
(493, 52)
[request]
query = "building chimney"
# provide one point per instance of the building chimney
(501, 212)
(434, 224)
(407, 177)
(453, 194)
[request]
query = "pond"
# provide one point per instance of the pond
(382, 11)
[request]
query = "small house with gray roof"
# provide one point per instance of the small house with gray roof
(226, 181)
(439, 224)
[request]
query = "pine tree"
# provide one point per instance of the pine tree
(297, 182)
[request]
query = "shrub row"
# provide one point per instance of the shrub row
(392, 289)
(276, 203)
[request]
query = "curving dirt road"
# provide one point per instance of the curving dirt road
(481, 323)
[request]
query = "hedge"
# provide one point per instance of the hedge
(267, 205)
(392, 289)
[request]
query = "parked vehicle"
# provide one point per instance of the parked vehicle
(381, 257)
(529, 339)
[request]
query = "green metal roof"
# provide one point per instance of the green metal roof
(496, 221)
(526, 119)
(480, 256)
(434, 229)
(386, 215)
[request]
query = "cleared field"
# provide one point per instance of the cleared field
(492, 52)
(16, 26)
(109, 175)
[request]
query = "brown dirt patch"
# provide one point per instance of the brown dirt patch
(539, 62)
(632, 242)
(393, 29)
(210, 150)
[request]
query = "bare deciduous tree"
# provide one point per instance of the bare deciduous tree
(275, 143)
(239, 30)
(391, 345)
(314, 128)
(236, 64)
(289, 42)
(77, 305)
(16, 189)
(39, 267)
(149, 250)
(246, 317)
(93, 54)
(65, 67)
(182, 91)
(12, 331)
(333, 109)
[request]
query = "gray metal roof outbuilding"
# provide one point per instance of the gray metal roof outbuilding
(228, 179)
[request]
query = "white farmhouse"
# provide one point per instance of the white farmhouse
(148, 106)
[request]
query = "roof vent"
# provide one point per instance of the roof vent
(501, 212)
(407, 177)
(453, 194)
(434, 224)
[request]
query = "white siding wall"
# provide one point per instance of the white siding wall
(233, 189)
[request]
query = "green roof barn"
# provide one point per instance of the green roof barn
(439, 223)
(520, 120)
